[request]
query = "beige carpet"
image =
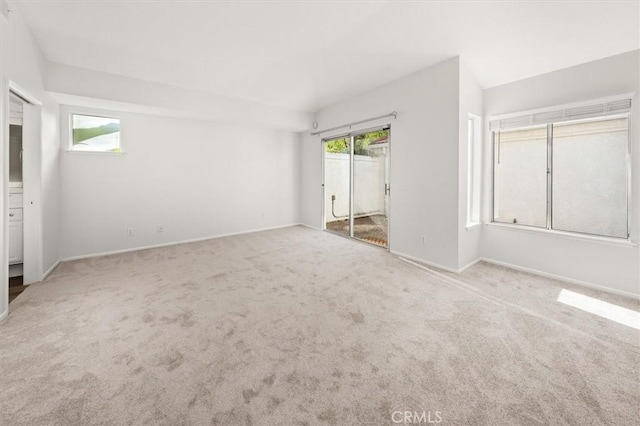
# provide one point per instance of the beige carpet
(297, 326)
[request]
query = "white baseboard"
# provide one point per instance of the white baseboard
(436, 265)
(310, 226)
(4, 314)
(563, 278)
(424, 262)
(174, 243)
(50, 270)
(523, 269)
(470, 265)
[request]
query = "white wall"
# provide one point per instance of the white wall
(199, 164)
(197, 179)
(423, 158)
(50, 186)
(22, 64)
(82, 87)
(614, 267)
(311, 152)
(470, 103)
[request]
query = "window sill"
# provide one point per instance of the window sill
(71, 151)
(473, 225)
(570, 235)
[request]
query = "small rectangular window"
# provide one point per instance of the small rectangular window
(95, 134)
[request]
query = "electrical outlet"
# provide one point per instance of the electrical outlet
(130, 231)
(424, 239)
(160, 229)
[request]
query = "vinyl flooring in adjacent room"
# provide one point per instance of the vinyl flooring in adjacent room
(15, 288)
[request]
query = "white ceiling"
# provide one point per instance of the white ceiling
(306, 55)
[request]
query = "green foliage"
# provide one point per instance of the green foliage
(80, 135)
(338, 146)
(361, 143)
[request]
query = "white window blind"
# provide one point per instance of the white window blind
(556, 116)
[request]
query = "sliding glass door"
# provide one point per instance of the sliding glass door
(356, 186)
(337, 185)
(371, 187)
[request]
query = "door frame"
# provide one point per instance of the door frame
(31, 178)
(351, 135)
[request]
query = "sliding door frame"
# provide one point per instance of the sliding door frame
(351, 136)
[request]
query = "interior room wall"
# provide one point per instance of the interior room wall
(423, 160)
(51, 193)
(88, 88)
(196, 179)
(612, 266)
(470, 103)
(311, 198)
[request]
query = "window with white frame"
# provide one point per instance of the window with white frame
(474, 167)
(564, 170)
(95, 133)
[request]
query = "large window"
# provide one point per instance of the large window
(95, 134)
(569, 174)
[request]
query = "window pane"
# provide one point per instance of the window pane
(99, 134)
(590, 177)
(520, 177)
(337, 185)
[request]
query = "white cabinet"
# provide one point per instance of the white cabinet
(15, 198)
(15, 236)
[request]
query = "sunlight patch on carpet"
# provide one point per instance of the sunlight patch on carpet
(598, 307)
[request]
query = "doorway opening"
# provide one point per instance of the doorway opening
(16, 222)
(356, 186)
(22, 214)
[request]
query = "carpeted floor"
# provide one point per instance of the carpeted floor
(296, 326)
